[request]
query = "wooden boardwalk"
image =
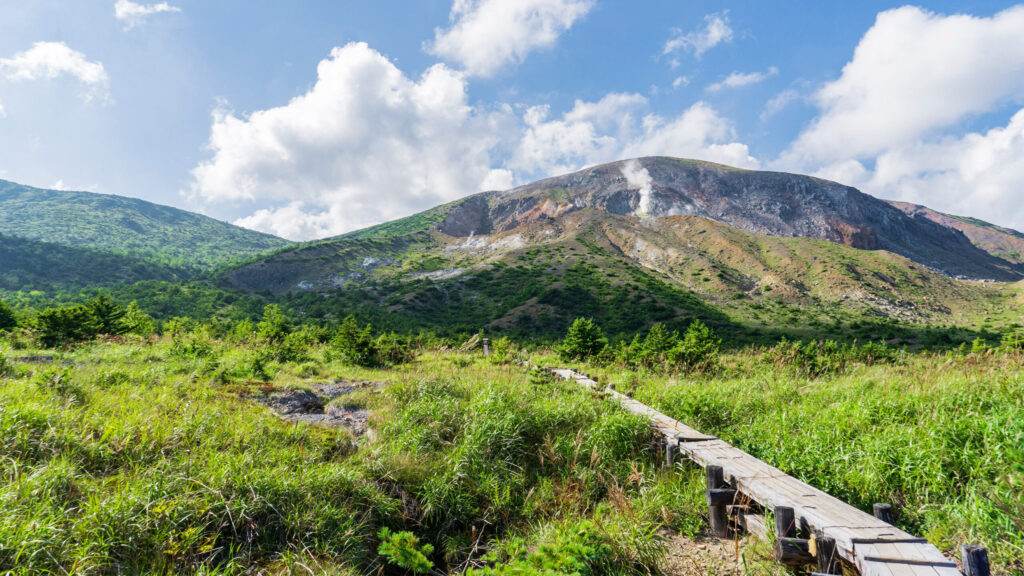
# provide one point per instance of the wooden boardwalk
(873, 546)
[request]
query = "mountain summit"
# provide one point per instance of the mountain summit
(640, 241)
(769, 203)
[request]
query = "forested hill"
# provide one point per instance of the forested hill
(140, 230)
(30, 265)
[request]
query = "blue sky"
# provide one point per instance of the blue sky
(307, 119)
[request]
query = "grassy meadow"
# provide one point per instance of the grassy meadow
(135, 456)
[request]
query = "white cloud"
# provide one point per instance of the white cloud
(976, 174)
(680, 81)
(715, 31)
(3, 112)
(617, 127)
(50, 60)
(364, 145)
(134, 14)
(912, 74)
(779, 102)
(488, 34)
(740, 79)
(58, 185)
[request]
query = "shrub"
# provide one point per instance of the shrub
(400, 549)
(583, 341)
(274, 326)
(65, 325)
(698, 350)
(503, 351)
(137, 322)
(358, 346)
(7, 318)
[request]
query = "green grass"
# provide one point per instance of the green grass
(135, 456)
(939, 437)
(139, 458)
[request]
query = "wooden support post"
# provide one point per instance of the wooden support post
(785, 522)
(884, 512)
(717, 513)
(975, 560)
(671, 451)
(793, 551)
(828, 557)
(720, 496)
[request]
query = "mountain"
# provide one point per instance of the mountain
(182, 242)
(654, 239)
(33, 265)
(999, 241)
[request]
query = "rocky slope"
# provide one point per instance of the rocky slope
(652, 240)
(769, 203)
(996, 240)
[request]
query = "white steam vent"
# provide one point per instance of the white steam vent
(638, 177)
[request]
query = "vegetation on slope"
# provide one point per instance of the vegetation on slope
(31, 265)
(159, 235)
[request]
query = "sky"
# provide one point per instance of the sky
(309, 119)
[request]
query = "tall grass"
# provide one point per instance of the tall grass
(940, 437)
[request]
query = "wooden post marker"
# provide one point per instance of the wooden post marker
(789, 549)
(884, 512)
(717, 513)
(975, 560)
(487, 346)
(828, 558)
(785, 522)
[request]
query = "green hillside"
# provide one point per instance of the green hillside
(30, 265)
(177, 239)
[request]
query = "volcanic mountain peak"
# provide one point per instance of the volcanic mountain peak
(770, 203)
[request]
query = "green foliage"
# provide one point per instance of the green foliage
(698, 350)
(137, 322)
(358, 347)
(503, 351)
(663, 350)
(161, 237)
(274, 326)
(402, 550)
(108, 315)
(64, 325)
(8, 320)
(828, 357)
(583, 341)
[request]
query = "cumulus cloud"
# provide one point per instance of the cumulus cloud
(912, 74)
(133, 14)
(3, 112)
(365, 144)
(715, 31)
(619, 126)
(740, 79)
(978, 174)
(50, 60)
(487, 34)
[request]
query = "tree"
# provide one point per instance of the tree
(7, 318)
(698, 350)
(355, 345)
(63, 325)
(135, 321)
(584, 340)
(107, 315)
(274, 326)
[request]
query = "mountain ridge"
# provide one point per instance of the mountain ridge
(530, 258)
(177, 238)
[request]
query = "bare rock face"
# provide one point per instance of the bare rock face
(770, 203)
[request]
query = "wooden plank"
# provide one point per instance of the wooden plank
(874, 546)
